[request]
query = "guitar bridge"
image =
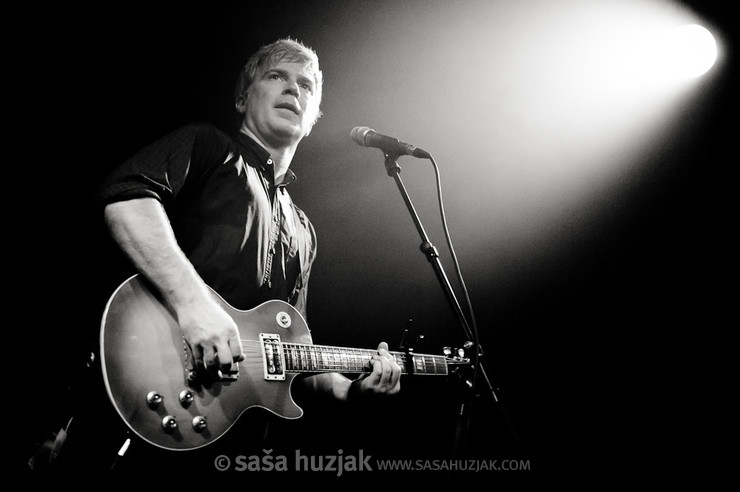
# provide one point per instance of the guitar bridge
(272, 357)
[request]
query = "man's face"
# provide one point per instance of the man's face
(282, 104)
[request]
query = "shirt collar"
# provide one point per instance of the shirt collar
(257, 156)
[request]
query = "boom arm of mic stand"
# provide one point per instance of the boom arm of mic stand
(429, 250)
(394, 171)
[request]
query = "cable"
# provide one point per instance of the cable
(466, 295)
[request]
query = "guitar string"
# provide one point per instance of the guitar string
(302, 356)
(354, 357)
(345, 351)
(352, 353)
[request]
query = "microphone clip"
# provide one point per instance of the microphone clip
(391, 163)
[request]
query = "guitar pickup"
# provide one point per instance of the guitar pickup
(272, 357)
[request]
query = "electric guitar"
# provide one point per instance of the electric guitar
(152, 385)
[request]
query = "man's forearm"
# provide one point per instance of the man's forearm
(142, 230)
(330, 384)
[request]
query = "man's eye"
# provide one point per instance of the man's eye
(307, 87)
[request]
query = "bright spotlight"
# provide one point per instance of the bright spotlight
(690, 51)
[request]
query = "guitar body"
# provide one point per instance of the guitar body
(146, 370)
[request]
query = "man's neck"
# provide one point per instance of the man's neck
(281, 156)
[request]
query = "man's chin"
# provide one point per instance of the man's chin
(289, 130)
(280, 133)
(285, 136)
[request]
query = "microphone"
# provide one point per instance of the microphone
(368, 137)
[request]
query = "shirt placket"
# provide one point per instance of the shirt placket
(273, 244)
(274, 228)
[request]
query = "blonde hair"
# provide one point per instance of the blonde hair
(285, 49)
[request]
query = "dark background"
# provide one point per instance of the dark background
(611, 351)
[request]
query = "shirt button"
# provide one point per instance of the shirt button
(269, 162)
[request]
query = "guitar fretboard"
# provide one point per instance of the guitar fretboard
(318, 358)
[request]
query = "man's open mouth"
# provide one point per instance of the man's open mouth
(288, 106)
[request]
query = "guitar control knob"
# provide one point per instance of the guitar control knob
(199, 423)
(186, 397)
(153, 399)
(169, 424)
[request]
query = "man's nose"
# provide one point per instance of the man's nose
(291, 87)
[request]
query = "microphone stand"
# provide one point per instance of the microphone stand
(430, 251)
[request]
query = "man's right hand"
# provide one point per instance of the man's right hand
(211, 335)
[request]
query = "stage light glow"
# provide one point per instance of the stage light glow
(690, 51)
(556, 108)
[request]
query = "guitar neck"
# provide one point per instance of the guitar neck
(320, 358)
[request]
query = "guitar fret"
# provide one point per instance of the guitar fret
(340, 359)
(304, 358)
(359, 362)
(422, 364)
(440, 365)
(288, 352)
(289, 359)
(293, 357)
(297, 357)
(351, 360)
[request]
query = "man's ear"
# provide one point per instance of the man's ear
(241, 104)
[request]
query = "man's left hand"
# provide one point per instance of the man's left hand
(385, 377)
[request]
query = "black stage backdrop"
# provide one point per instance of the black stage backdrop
(610, 351)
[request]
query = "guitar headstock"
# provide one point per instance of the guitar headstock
(455, 357)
